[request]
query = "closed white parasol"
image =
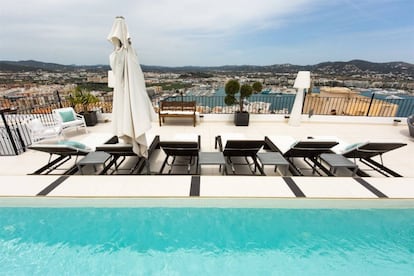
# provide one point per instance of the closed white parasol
(132, 111)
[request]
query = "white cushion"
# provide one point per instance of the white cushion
(35, 125)
(176, 112)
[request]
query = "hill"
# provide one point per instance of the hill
(361, 66)
(345, 68)
(33, 65)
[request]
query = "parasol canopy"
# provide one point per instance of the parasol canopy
(132, 110)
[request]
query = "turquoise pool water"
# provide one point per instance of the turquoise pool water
(208, 241)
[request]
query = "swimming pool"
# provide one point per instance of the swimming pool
(211, 241)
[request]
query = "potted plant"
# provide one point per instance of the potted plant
(241, 117)
(84, 98)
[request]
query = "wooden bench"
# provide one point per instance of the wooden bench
(177, 109)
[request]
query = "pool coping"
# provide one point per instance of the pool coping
(208, 202)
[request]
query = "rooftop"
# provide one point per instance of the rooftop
(18, 183)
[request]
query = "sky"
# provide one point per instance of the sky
(210, 32)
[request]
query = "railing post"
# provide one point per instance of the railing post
(22, 143)
(2, 111)
(58, 98)
(370, 103)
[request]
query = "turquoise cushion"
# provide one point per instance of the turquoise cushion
(352, 146)
(67, 116)
(74, 144)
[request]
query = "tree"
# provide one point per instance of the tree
(257, 87)
(232, 88)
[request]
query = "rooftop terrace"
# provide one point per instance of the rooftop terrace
(16, 181)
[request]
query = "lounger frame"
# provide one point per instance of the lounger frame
(366, 151)
(308, 150)
(59, 155)
(120, 152)
(241, 148)
(186, 149)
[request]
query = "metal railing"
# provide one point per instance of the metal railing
(358, 106)
(257, 104)
(313, 104)
(14, 134)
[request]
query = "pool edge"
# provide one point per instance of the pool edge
(205, 202)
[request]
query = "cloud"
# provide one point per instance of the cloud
(173, 29)
(214, 17)
(188, 32)
(199, 28)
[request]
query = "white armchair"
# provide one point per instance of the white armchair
(68, 118)
(38, 131)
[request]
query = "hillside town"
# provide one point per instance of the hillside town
(161, 84)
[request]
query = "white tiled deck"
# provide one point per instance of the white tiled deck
(24, 185)
(395, 188)
(244, 186)
(344, 187)
(15, 181)
(124, 186)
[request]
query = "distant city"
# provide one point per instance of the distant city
(33, 78)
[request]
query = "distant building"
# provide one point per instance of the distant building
(344, 101)
(340, 92)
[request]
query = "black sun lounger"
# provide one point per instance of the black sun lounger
(63, 152)
(241, 148)
(310, 149)
(307, 149)
(120, 151)
(366, 151)
(186, 149)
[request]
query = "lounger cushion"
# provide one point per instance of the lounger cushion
(352, 146)
(177, 112)
(67, 116)
(74, 144)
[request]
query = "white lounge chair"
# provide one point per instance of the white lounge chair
(68, 118)
(38, 131)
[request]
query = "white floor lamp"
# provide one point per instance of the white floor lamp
(302, 82)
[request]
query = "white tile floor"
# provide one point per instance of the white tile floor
(125, 186)
(179, 186)
(244, 186)
(395, 188)
(332, 187)
(24, 185)
(15, 180)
